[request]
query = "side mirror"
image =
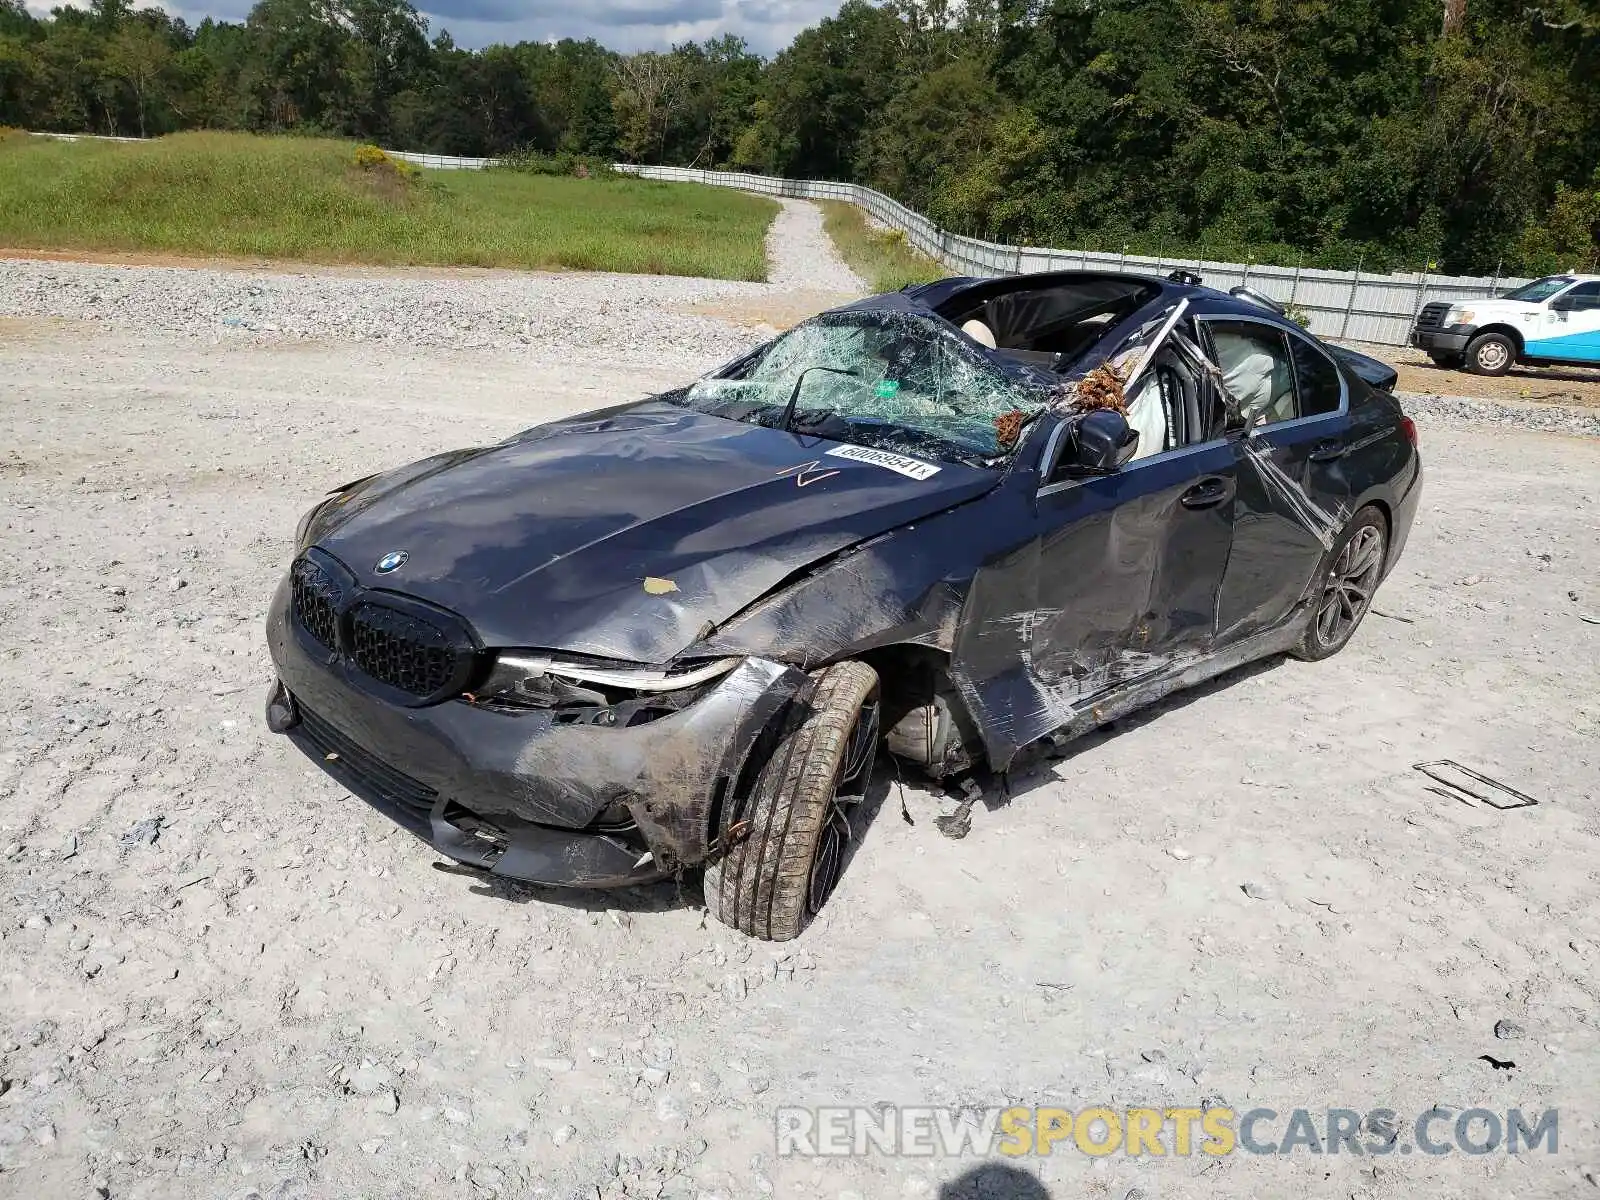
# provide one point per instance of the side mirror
(1566, 304)
(1102, 443)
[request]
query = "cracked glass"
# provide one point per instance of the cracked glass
(891, 380)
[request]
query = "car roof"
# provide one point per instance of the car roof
(943, 291)
(927, 298)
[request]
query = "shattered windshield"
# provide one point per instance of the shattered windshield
(892, 380)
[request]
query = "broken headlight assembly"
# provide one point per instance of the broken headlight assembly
(591, 692)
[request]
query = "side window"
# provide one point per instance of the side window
(1320, 388)
(1172, 405)
(1155, 406)
(1587, 295)
(1256, 369)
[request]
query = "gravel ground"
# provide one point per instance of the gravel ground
(1571, 386)
(1462, 410)
(629, 316)
(222, 977)
(818, 266)
(637, 318)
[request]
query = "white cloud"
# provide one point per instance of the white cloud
(768, 25)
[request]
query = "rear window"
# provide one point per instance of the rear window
(1318, 378)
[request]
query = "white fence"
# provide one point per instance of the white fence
(1343, 305)
(441, 162)
(79, 137)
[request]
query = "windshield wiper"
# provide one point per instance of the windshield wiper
(816, 418)
(794, 396)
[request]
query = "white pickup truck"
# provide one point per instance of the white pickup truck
(1553, 321)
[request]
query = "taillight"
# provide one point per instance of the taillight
(1409, 428)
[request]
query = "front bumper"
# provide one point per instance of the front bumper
(515, 794)
(1452, 340)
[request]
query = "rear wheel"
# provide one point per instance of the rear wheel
(1353, 569)
(1491, 354)
(787, 847)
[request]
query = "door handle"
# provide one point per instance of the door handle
(1327, 451)
(1208, 493)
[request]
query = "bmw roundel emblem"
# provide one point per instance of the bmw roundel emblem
(392, 561)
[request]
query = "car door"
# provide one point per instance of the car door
(1130, 563)
(1293, 495)
(1570, 327)
(1113, 579)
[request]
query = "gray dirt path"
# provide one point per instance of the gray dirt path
(803, 256)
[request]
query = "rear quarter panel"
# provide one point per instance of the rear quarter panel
(1382, 465)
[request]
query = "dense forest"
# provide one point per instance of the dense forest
(1394, 133)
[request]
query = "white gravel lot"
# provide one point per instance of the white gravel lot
(607, 315)
(549, 318)
(223, 977)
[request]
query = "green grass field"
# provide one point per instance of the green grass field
(882, 259)
(242, 195)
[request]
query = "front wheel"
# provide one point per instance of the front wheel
(1491, 354)
(1354, 568)
(783, 853)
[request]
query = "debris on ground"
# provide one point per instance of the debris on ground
(1462, 783)
(958, 824)
(1389, 616)
(144, 833)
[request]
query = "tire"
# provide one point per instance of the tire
(1491, 354)
(1349, 576)
(1447, 360)
(789, 841)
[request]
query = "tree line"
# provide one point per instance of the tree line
(1330, 132)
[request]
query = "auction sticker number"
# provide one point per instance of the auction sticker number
(912, 468)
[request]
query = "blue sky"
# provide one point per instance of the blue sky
(768, 25)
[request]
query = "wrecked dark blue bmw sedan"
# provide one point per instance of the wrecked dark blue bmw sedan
(948, 523)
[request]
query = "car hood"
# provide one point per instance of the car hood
(625, 534)
(1484, 311)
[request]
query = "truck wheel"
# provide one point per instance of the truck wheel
(1446, 359)
(1490, 354)
(789, 842)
